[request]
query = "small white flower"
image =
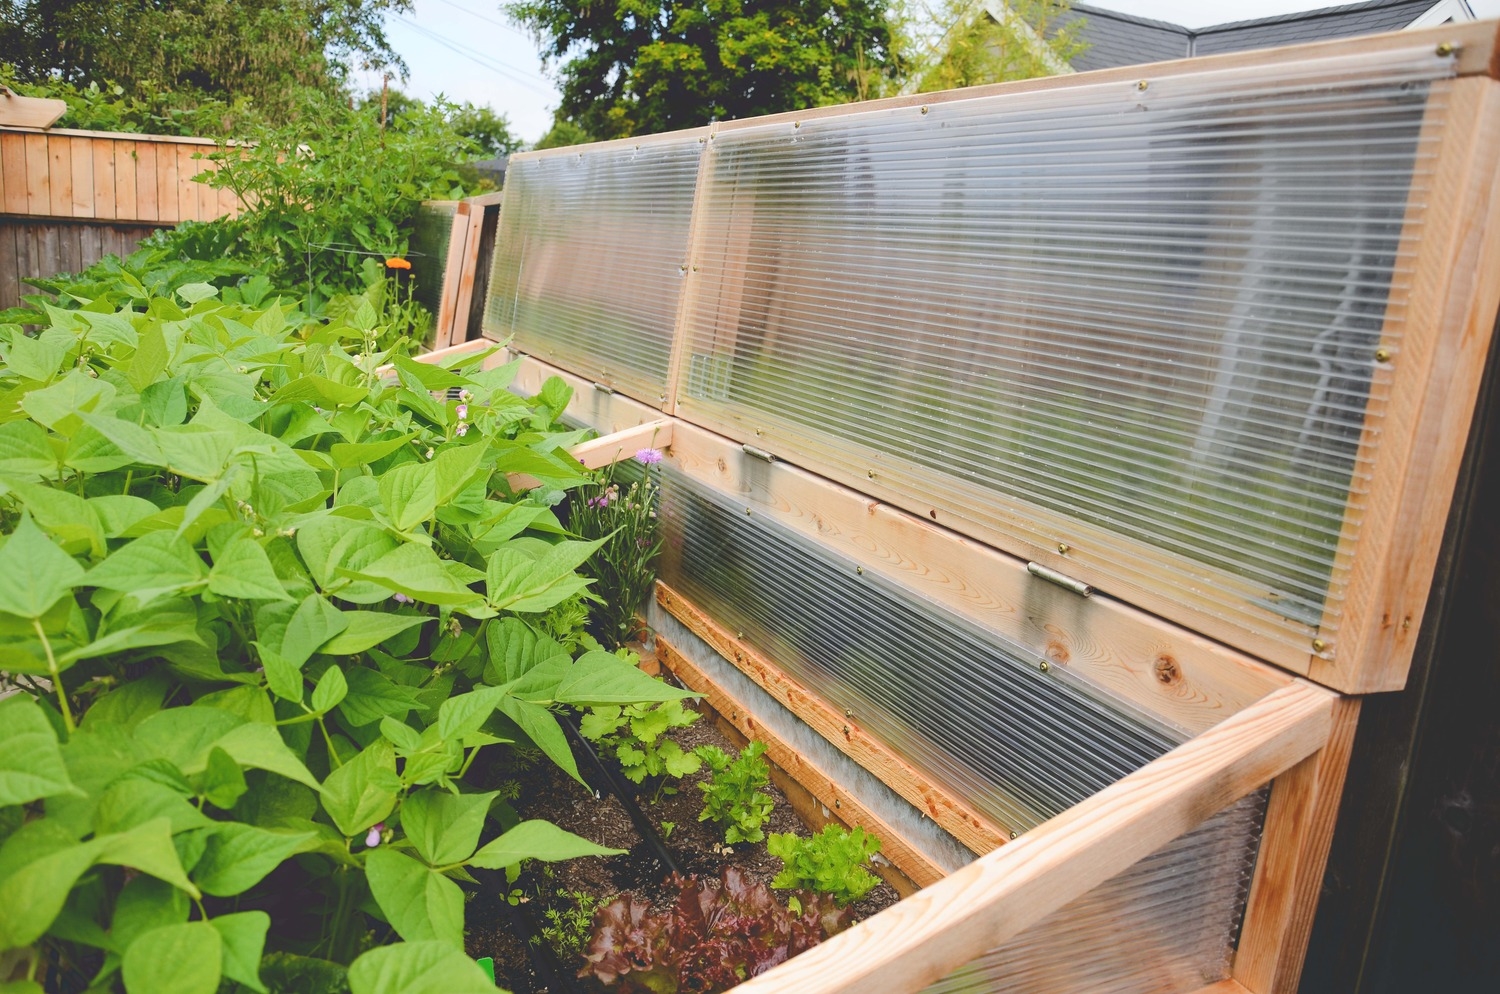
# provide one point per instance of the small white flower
(428, 454)
(461, 429)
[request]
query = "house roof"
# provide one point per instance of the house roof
(1118, 39)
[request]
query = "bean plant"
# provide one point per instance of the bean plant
(262, 607)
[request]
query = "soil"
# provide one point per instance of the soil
(697, 847)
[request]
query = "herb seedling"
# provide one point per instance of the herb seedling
(831, 862)
(732, 797)
(568, 927)
(637, 738)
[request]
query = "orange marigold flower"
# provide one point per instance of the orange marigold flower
(397, 264)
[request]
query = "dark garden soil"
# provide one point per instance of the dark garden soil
(696, 846)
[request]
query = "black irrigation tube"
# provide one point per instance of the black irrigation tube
(549, 969)
(626, 797)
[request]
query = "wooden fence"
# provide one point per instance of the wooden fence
(68, 198)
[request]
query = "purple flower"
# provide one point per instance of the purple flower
(601, 501)
(461, 429)
(462, 411)
(648, 456)
(372, 839)
(400, 598)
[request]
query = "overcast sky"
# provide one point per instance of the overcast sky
(467, 50)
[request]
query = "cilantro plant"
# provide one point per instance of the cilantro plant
(832, 862)
(637, 737)
(732, 797)
(264, 609)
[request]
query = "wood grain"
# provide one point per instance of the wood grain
(468, 271)
(13, 165)
(972, 828)
(1293, 852)
(1450, 311)
(828, 792)
(927, 936)
(1185, 679)
(38, 173)
(458, 236)
(604, 411)
(103, 203)
(59, 177)
(125, 187)
(82, 152)
(17, 111)
(146, 199)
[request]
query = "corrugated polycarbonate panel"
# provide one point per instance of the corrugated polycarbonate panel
(431, 233)
(1138, 322)
(590, 256)
(1167, 925)
(974, 713)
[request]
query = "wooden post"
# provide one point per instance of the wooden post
(1289, 870)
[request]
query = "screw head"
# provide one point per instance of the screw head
(1382, 355)
(860, 570)
(1063, 548)
(925, 109)
(1014, 835)
(1319, 645)
(1045, 666)
(1143, 84)
(796, 124)
(1446, 48)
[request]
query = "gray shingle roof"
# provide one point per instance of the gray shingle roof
(1117, 39)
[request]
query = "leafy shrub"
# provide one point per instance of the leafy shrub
(625, 565)
(330, 189)
(717, 934)
(831, 862)
(265, 610)
(732, 797)
(636, 736)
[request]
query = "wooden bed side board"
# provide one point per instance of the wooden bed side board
(949, 924)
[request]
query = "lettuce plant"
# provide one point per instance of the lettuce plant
(832, 862)
(263, 610)
(732, 797)
(718, 933)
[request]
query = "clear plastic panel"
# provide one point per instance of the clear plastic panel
(973, 712)
(431, 233)
(590, 256)
(1138, 321)
(1167, 925)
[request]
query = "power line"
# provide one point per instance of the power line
(482, 17)
(477, 57)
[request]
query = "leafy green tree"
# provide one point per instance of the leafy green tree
(263, 50)
(642, 66)
(562, 134)
(486, 129)
(1026, 40)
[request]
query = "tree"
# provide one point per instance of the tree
(642, 66)
(993, 42)
(222, 49)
